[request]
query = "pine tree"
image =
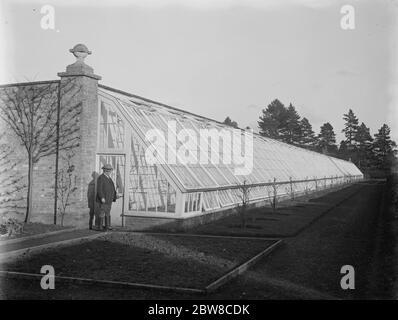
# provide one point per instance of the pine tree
(343, 151)
(230, 123)
(290, 131)
(384, 147)
(273, 120)
(327, 139)
(307, 135)
(364, 149)
(350, 128)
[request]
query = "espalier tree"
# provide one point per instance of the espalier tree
(32, 112)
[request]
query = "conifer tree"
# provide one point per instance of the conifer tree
(350, 128)
(273, 120)
(291, 131)
(364, 150)
(307, 135)
(327, 139)
(384, 147)
(230, 123)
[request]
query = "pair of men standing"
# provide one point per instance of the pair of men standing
(101, 193)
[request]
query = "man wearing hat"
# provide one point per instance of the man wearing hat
(106, 194)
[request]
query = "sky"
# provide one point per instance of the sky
(220, 58)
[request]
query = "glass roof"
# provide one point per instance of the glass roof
(271, 159)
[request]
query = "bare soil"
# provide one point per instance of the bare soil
(162, 260)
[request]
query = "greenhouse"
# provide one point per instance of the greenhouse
(170, 179)
(168, 163)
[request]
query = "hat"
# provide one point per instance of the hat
(107, 167)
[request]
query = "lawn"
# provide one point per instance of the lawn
(152, 259)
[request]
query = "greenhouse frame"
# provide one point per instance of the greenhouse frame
(184, 189)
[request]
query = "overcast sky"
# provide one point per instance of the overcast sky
(220, 58)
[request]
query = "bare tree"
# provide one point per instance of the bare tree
(273, 195)
(11, 184)
(307, 187)
(66, 185)
(244, 196)
(43, 127)
(291, 188)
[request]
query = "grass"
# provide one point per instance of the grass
(152, 259)
(286, 221)
(264, 222)
(34, 228)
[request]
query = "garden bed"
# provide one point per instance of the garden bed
(290, 218)
(264, 222)
(148, 259)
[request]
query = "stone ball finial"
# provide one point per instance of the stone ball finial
(80, 51)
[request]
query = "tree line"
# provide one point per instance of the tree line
(373, 155)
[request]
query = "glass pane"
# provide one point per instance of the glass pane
(149, 189)
(272, 159)
(111, 128)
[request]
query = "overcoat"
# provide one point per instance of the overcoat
(91, 194)
(105, 189)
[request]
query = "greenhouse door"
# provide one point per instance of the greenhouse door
(117, 175)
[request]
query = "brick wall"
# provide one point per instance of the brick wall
(84, 97)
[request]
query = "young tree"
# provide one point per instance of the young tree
(350, 128)
(244, 195)
(272, 191)
(33, 113)
(307, 136)
(290, 131)
(273, 119)
(66, 184)
(327, 139)
(230, 123)
(384, 147)
(11, 183)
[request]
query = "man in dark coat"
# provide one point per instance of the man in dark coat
(106, 194)
(91, 201)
